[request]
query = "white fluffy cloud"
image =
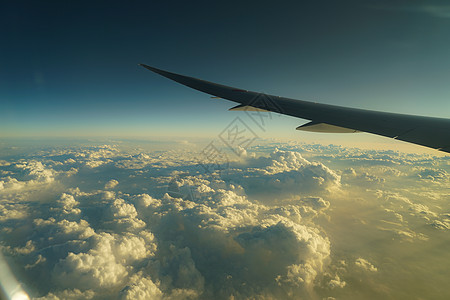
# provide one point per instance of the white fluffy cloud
(69, 294)
(104, 265)
(68, 205)
(122, 215)
(111, 184)
(283, 174)
(32, 174)
(11, 211)
(64, 229)
(364, 264)
(140, 287)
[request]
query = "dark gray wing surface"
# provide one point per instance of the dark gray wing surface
(425, 131)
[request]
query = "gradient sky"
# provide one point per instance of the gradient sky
(70, 68)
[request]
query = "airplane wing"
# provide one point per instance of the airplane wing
(425, 131)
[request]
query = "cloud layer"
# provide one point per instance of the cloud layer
(110, 222)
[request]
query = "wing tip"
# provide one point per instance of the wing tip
(159, 71)
(147, 67)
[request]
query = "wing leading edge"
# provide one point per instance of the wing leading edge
(425, 131)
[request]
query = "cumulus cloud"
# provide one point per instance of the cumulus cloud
(364, 264)
(103, 266)
(404, 206)
(281, 174)
(434, 174)
(64, 229)
(9, 183)
(28, 174)
(69, 294)
(111, 184)
(276, 252)
(123, 215)
(12, 211)
(145, 200)
(336, 282)
(37, 171)
(67, 205)
(140, 287)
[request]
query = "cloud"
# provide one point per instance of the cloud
(111, 184)
(37, 170)
(27, 249)
(297, 252)
(67, 205)
(336, 282)
(27, 174)
(364, 264)
(40, 259)
(274, 226)
(123, 216)
(281, 174)
(404, 205)
(434, 174)
(274, 251)
(12, 211)
(69, 294)
(140, 287)
(104, 266)
(438, 224)
(64, 229)
(9, 183)
(145, 200)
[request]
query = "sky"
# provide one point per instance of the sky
(70, 68)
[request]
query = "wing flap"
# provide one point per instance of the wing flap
(324, 128)
(241, 107)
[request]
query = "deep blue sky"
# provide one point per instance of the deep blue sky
(70, 67)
